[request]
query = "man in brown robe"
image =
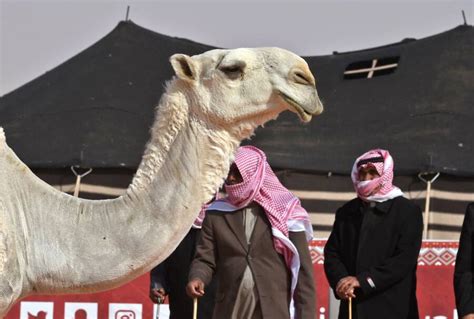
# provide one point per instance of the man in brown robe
(255, 242)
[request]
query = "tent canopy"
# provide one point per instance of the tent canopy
(95, 109)
(413, 98)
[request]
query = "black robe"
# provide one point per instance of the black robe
(464, 269)
(379, 244)
(172, 275)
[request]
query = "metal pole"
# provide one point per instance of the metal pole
(464, 17)
(128, 11)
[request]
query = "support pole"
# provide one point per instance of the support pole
(78, 179)
(126, 15)
(428, 182)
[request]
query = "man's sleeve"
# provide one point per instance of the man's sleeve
(204, 263)
(398, 266)
(333, 266)
(158, 277)
(304, 296)
(463, 276)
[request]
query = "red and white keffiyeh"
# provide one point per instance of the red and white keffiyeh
(383, 163)
(282, 208)
(202, 213)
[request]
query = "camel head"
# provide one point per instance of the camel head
(242, 86)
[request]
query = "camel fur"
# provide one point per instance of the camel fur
(54, 243)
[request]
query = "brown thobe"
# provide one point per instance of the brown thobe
(247, 298)
(225, 251)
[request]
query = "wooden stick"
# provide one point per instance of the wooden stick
(195, 308)
(78, 186)
(350, 308)
(427, 210)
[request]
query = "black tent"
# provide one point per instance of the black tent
(420, 108)
(96, 107)
(414, 98)
(417, 103)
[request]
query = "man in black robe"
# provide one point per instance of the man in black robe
(371, 254)
(464, 269)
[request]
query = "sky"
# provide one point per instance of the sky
(38, 35)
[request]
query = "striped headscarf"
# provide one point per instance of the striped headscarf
(282, 208)
(197, 224)
(379, 189)
(200, 218)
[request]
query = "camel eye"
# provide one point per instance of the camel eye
(233, 71)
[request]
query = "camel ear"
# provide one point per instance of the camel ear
(184, 67)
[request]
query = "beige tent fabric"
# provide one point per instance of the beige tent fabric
(320, 195)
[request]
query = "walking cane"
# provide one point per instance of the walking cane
(195, 308)
(158, 304)
(157, 315)
(350, 308)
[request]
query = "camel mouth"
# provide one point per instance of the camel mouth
(304, 115)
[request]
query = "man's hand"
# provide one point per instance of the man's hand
(157, 295)
(468, 316)
(345, 287)
(195, 288)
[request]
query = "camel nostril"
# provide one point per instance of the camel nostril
(302, 78)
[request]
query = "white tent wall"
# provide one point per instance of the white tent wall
(320, 194)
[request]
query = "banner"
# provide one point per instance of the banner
(435, 293)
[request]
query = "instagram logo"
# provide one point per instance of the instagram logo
(125, 311)
(125, 314)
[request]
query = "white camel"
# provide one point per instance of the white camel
(53, 243)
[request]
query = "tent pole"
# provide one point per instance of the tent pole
(427, 200)
(78, 179)
(128, 11)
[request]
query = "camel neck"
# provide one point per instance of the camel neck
(182, 150)
(175, 178)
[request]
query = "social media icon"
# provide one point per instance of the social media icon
(125, 314)
(125, 311)
(161, 311)
(36, 310)
(80, 310)
(80, 314)
(39, 315)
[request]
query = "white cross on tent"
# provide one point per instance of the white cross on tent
(370, 71)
